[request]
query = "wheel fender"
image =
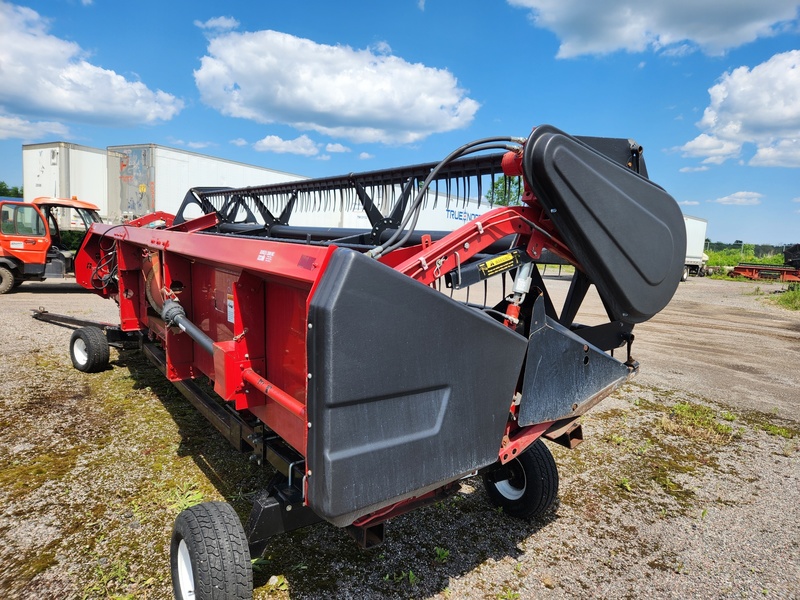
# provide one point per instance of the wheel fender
(9, 263)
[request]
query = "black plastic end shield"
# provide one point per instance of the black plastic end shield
(409, 390)
(626, 232)
(563, 372)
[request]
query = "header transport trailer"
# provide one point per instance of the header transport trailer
(345, 359)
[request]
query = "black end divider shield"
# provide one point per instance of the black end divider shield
(409, 390)
(563, 372)
(626, 232)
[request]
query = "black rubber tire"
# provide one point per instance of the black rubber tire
(88, 349)
(209, 555)
(6, 280)
(533, 486)
(685, 274)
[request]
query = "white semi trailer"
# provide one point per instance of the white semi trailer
(129, 181)
(696, 258)
(153, 177)
(65, 170)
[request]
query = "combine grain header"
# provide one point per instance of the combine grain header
(374, 369)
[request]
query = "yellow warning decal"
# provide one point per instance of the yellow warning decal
(498, 264)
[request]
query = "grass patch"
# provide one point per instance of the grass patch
(696, 421)
(129, 453)
(23, 477)
(184, 496)
(648, 455)
(789, 299)
(771, 425)
(778, 431)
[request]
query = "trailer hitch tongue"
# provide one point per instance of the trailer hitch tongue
(174, 314)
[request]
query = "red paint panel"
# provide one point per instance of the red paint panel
(183, 356)
(284, 423)
(250, 328)
(130, 270)
(248, 295)
(286, 323)
(291, 262)
(212, 307)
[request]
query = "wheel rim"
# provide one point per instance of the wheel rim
(185, 573)
(80, 351)
(513, 488)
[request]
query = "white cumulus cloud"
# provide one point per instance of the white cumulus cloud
(302, 145)
(712, 149)
(12, 127)
(218, 24)
(758, 106)
(740, 199)
(672, 26)
(45, 77)
(336, 148)
(360, 95)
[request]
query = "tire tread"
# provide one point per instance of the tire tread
(98, 353)
(541, 490)
(222, 556)
(6, 280)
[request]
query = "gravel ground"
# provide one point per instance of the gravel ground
(93, 470)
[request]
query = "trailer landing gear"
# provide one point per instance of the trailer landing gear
(526, 486)
(209, 556)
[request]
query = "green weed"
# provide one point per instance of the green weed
(778, 431)
(185, 496)
(442, 555)
(789, 299)
(278, 582)
(696, 421)
(625, 484)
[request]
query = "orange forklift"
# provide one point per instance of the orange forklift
(38, 239)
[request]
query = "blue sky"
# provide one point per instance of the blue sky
(711, 89)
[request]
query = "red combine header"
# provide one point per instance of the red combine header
(344, 359)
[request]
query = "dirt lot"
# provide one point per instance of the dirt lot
(688, 483)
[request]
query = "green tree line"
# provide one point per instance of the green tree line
(10, 192)
(756, 250)
(730, 257)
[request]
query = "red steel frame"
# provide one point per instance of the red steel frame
(767, 272)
